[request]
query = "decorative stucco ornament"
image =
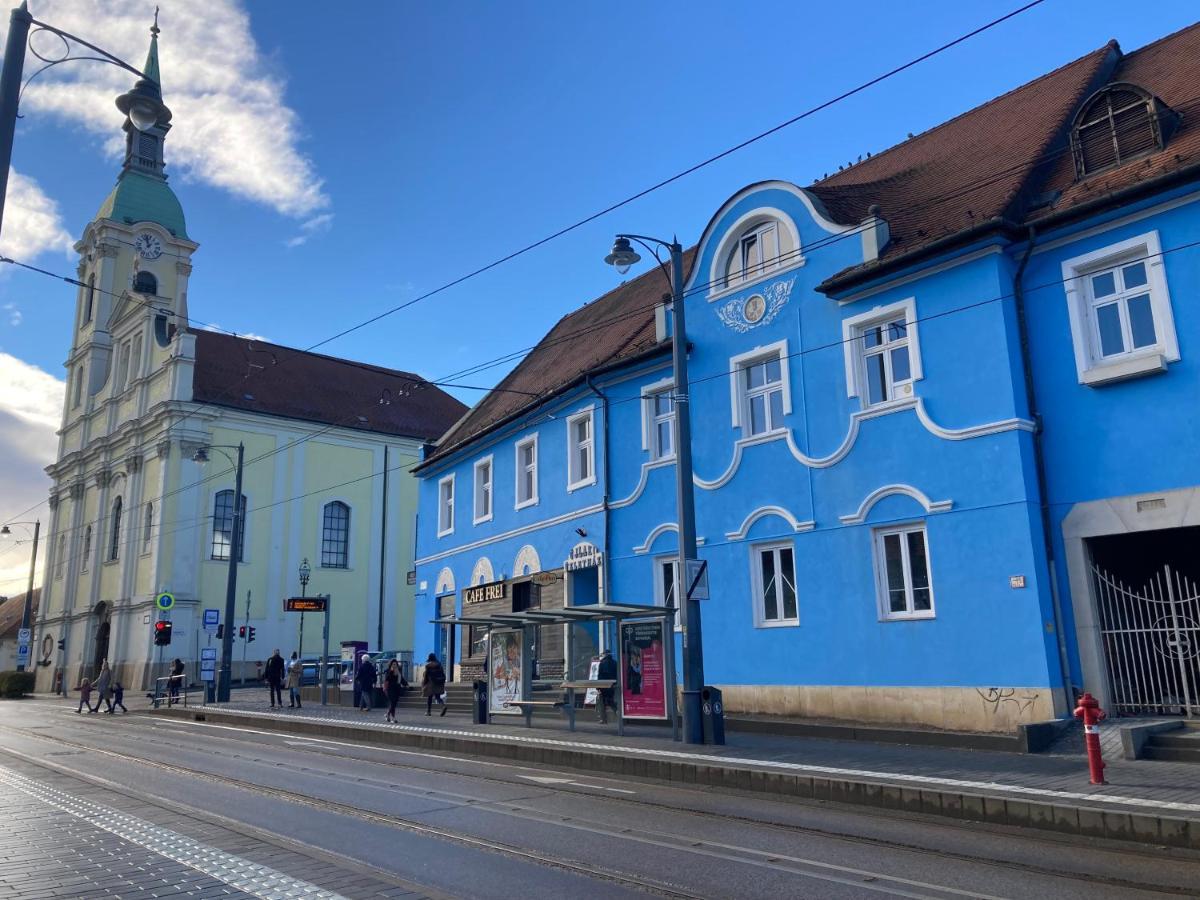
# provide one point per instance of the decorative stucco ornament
(752, 310)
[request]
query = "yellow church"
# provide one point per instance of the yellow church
(143, 486)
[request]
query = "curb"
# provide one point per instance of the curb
(995, 809)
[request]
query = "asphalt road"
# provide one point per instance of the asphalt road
(358, 820)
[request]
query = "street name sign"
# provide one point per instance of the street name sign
(212, 618)
(304, 604)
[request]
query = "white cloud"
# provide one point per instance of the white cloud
(231, 128)
(32, 223)
(30, 412)
(14, 314)
(248, 335)
(310, 229)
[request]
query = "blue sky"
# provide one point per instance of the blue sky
(335, 160)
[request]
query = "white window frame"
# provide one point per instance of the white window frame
(756, 585)
(489, 493)
(651, 421)
(588, 446)
(881, 583)
(740, 399)
(853, 329)
(731, 245)
(445, 510)
(1092, 368)
(532, 500)
(660, 598)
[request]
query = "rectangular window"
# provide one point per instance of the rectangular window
(477, 639)
(335, 536)
(762, 395)
(1121, 313)
(446, 506)
(758, 252)
(223, 519)
(660, 418)
(581, 451)
(525, 595)
(902, 571)
(666, 586)
(527, 472)
(483, 490)
(886, 365)
(774, 581)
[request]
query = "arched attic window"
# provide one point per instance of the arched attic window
(145, 283)
(761, 247)
(1117, 124)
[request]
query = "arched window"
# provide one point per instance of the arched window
(335, 536)
(148, 528)
(87, 549)
(1117, 124)
(90, 298)
(60, 559)
(114, 544)
(145, 283)
(223, 519)
(760, 248)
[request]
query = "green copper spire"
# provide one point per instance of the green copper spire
(151, 66)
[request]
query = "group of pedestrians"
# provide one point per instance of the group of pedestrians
(109, 692)
(280, 673)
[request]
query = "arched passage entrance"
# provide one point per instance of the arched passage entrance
(101, 626)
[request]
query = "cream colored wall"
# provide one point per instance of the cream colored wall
(400, 547)
(144, 583)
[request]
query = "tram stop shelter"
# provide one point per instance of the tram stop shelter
(644, 655)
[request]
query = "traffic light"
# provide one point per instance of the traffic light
(162, 633)
(241, 631)
(221, 631)
(250, 635)
(62, 643)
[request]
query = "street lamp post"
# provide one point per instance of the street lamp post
(622, 257)
(142, 103)
(305, 573)
(25, 613)
(224, 678)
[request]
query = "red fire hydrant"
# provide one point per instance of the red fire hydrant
(1090, 712)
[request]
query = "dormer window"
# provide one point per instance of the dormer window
(145, 283)
(753, 250)
(1119, 123)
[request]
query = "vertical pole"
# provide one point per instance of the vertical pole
(25, 613)
(383, 554)
(669, 672)
(693, 641)
(10, 90)
(300, 648)
(246, 642)
(224, 682)
(325, 652)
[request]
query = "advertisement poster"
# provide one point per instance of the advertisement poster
(589, 699)
(644, 688)
(504, 671)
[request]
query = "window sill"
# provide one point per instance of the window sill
(526, 504)
(908, 617)
(580, 484)
(111, 562)
(482, 520)
(336, 568)
(1122, 369)
(786, 623)
(894, 405)
(443, 534)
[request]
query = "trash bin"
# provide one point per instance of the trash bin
(479, 703)
(712, 715)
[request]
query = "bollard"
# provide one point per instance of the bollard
(1091, 713)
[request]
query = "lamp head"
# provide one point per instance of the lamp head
(622, 256)
(5, 530)
(305, 571)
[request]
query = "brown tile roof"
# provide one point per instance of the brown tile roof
(1170, 69)
(266, 378)
(964, 172)
(617, 327)
(12, 610)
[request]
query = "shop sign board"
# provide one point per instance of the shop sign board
(584, 555)
(506, 673)
(481, 593)
(644, 681)
(544, 579)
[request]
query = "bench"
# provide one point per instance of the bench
(585, 685)
(528, 706)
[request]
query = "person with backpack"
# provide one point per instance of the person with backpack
(433, 684)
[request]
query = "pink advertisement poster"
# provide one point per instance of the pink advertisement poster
(644, 682)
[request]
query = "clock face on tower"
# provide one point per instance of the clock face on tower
(148, 245)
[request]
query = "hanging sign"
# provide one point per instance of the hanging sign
(505, 674)
(644, 683)
(584, 555)
(493, 590)
(544, 579)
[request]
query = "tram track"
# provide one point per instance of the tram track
(798, 866)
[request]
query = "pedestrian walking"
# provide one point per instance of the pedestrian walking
(366, 678)
(175, 682)
(606, 671)
(104, 687)
(274, 676)
(433, 685)
(295, 671)
(119, 696)
(393, 685)
(85, 696)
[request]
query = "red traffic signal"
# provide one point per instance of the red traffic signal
(162, 633)
(241, 631)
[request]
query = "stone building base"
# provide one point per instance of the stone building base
(991, 709)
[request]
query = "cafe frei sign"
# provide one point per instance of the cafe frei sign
(481, 593)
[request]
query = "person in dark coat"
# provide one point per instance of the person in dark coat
(366, 678)
(393, 685)
(274, 675)
(433, 684)
(175, 682)
(606, 671)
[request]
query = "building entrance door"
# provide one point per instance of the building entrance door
(1149, 617)
(446, 637)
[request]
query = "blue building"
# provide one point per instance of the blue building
(946, 430)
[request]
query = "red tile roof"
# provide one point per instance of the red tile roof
(12, 611)
(266, 378)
